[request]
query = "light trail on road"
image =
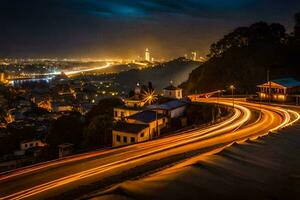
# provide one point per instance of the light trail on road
(223, 133)
(150, 144)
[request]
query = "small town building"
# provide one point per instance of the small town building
(126, 133)
(137, 100)
(279, 90)
(154, 120)
(172, 92)
(132, 105)
(139, 127)
(24, 145)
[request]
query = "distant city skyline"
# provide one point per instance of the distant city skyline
(115, 29)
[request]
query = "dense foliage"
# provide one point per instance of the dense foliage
(86, 132)
(244, 56)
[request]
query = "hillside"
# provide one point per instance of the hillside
(244, 56)
(160, 75)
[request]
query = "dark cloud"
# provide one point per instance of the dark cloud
(116, 28)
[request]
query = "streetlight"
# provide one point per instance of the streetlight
(232, 88)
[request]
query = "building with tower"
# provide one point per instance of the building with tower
(147, 55)
(172, 92)
(194, 56)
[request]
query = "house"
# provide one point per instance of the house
(126, 133)
(132, 105)
(24, 145)
(279, 89)
(153, 119)
(139, 127)
(172, 92)
(137, 100)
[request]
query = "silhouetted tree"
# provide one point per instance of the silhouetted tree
(66, 129)
(104, 107)
(131, 93)
(99, 132)
(259, 33)
(150, 86)
(243, 57)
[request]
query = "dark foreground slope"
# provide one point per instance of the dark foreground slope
(243, 58)
(267, 168)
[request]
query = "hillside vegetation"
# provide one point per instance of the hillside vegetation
(244, 56)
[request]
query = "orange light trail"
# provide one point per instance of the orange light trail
(233, 129)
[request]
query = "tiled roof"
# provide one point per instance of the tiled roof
(130, 128)
(287, 82)
(146, 116)
(169, 105)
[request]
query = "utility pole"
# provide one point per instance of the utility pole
(260, 105)
(232, 88)
(269, 82)
(218, 97)
(156, 123)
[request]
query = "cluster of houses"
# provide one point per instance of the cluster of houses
(137, 121)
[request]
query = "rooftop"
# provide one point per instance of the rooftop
(287, 82)
(130, 128)
(169, 105)
(146, 116)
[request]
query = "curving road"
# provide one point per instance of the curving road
(80, 174)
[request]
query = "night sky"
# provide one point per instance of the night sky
(124, 28)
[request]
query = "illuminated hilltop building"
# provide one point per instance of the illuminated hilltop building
(194, 56)
(172, 92)
(3, 78)
(147, 55)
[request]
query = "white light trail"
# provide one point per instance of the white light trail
(72, 72)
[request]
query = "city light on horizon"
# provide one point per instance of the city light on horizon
(149, 99)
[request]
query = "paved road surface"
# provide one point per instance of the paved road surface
(82, 173)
